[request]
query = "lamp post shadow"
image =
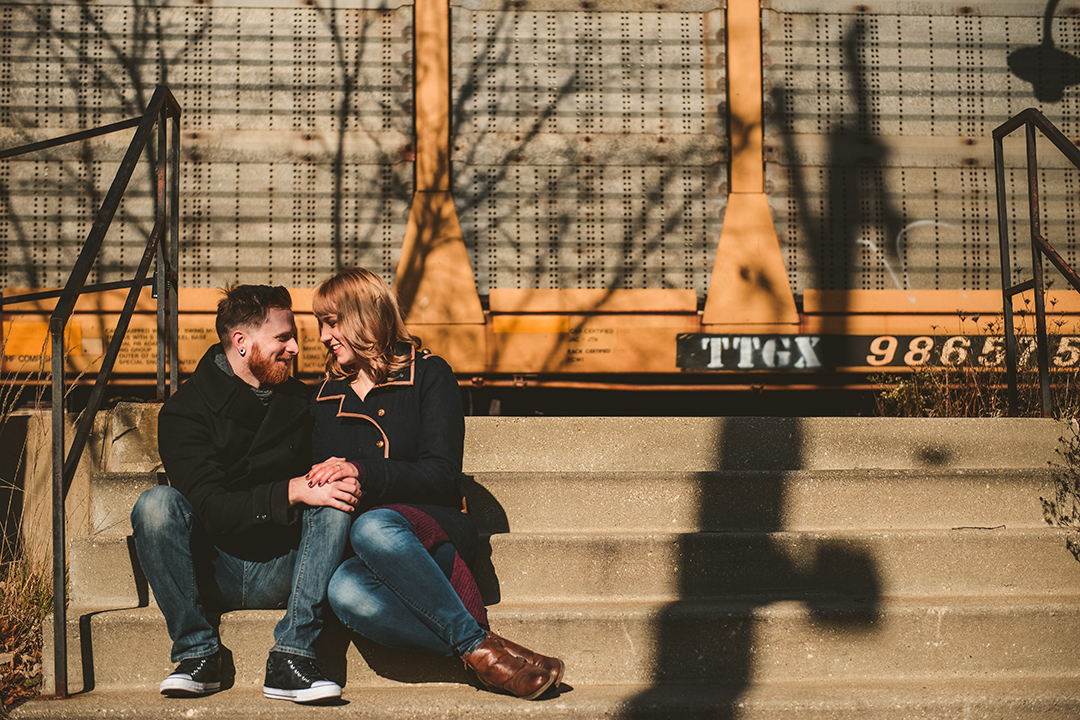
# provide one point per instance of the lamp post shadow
(746, 587)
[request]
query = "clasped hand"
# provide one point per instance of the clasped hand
(333, 482)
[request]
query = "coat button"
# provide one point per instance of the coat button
(379, 444)
(382, 411)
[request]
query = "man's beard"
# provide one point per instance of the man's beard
(267, 370)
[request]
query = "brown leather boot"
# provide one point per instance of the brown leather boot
(500, 670)
(553, 665)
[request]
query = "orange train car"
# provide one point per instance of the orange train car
(678, 194)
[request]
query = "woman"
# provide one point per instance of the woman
(390, 415)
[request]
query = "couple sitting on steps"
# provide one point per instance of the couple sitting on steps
(344, 496)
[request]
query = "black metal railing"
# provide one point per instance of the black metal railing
(1032, 120)
(162, 108)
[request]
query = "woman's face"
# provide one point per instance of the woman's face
(330, 336)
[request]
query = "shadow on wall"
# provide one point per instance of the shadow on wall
(574, 195)
(847, 211)
(66, 203)
(104, 64)
(719, 633)
(838, 234)
(1049, 70)
(104, 70)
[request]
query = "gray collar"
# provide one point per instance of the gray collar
(265, 394)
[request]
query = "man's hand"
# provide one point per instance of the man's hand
(342, 494)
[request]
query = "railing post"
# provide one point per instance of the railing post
(1032, 120)
(160, 276)
(1045, 401)
(56, 329)
(172, 280)
(1006, 274)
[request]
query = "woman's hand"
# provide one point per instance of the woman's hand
(342, 494)
(332, 470)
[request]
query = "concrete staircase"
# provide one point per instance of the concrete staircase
(683, 568)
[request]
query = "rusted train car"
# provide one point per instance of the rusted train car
(645, 193)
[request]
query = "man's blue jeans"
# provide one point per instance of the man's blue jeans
(395, 593)
(190, 576)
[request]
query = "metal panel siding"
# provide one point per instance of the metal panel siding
(296, 136)
(589, 146)
(879, 170)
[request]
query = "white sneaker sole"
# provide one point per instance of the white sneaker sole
(184, 686)
(320, 691)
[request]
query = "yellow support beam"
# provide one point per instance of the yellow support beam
(744, 96)
(434, 281)
(749, 284)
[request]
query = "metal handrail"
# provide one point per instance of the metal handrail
(1032, 120)
(162, 107)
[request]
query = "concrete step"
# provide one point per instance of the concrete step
(627, 444)
(664, 567)
(577, 501)
(712, 501)
(104, 572)
(683, 567)
(686, 642)
(112, 495)
(1016, 698)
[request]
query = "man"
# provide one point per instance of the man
(239, 526)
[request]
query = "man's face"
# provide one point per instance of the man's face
(273, 346)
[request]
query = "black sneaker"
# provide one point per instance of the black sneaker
(297, 678)
(193, 677)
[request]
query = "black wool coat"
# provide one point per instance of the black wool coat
(232, 457)
(408, 436)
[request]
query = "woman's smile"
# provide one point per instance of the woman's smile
(330, 336)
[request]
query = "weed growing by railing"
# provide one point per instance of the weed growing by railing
(25, 600)
(1064, 509)
(967, 387)
(25, 584)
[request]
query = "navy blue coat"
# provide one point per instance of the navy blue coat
(408, 436)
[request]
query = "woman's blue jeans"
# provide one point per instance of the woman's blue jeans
(395, 593)
(191, 577)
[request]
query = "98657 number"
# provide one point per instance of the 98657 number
(979, 350)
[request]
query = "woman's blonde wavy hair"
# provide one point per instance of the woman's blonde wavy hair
(370, 322)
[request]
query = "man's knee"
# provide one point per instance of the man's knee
(324, 514)
(328, 522)
(159, 509)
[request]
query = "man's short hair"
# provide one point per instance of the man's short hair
(248, 306)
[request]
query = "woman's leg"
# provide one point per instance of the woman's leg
(366, 606)
(397, 565)
(393, 577)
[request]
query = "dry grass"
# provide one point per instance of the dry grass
(25, 588)
(25, 600)
(969, 389)
(1063, 510)
(26, 585)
